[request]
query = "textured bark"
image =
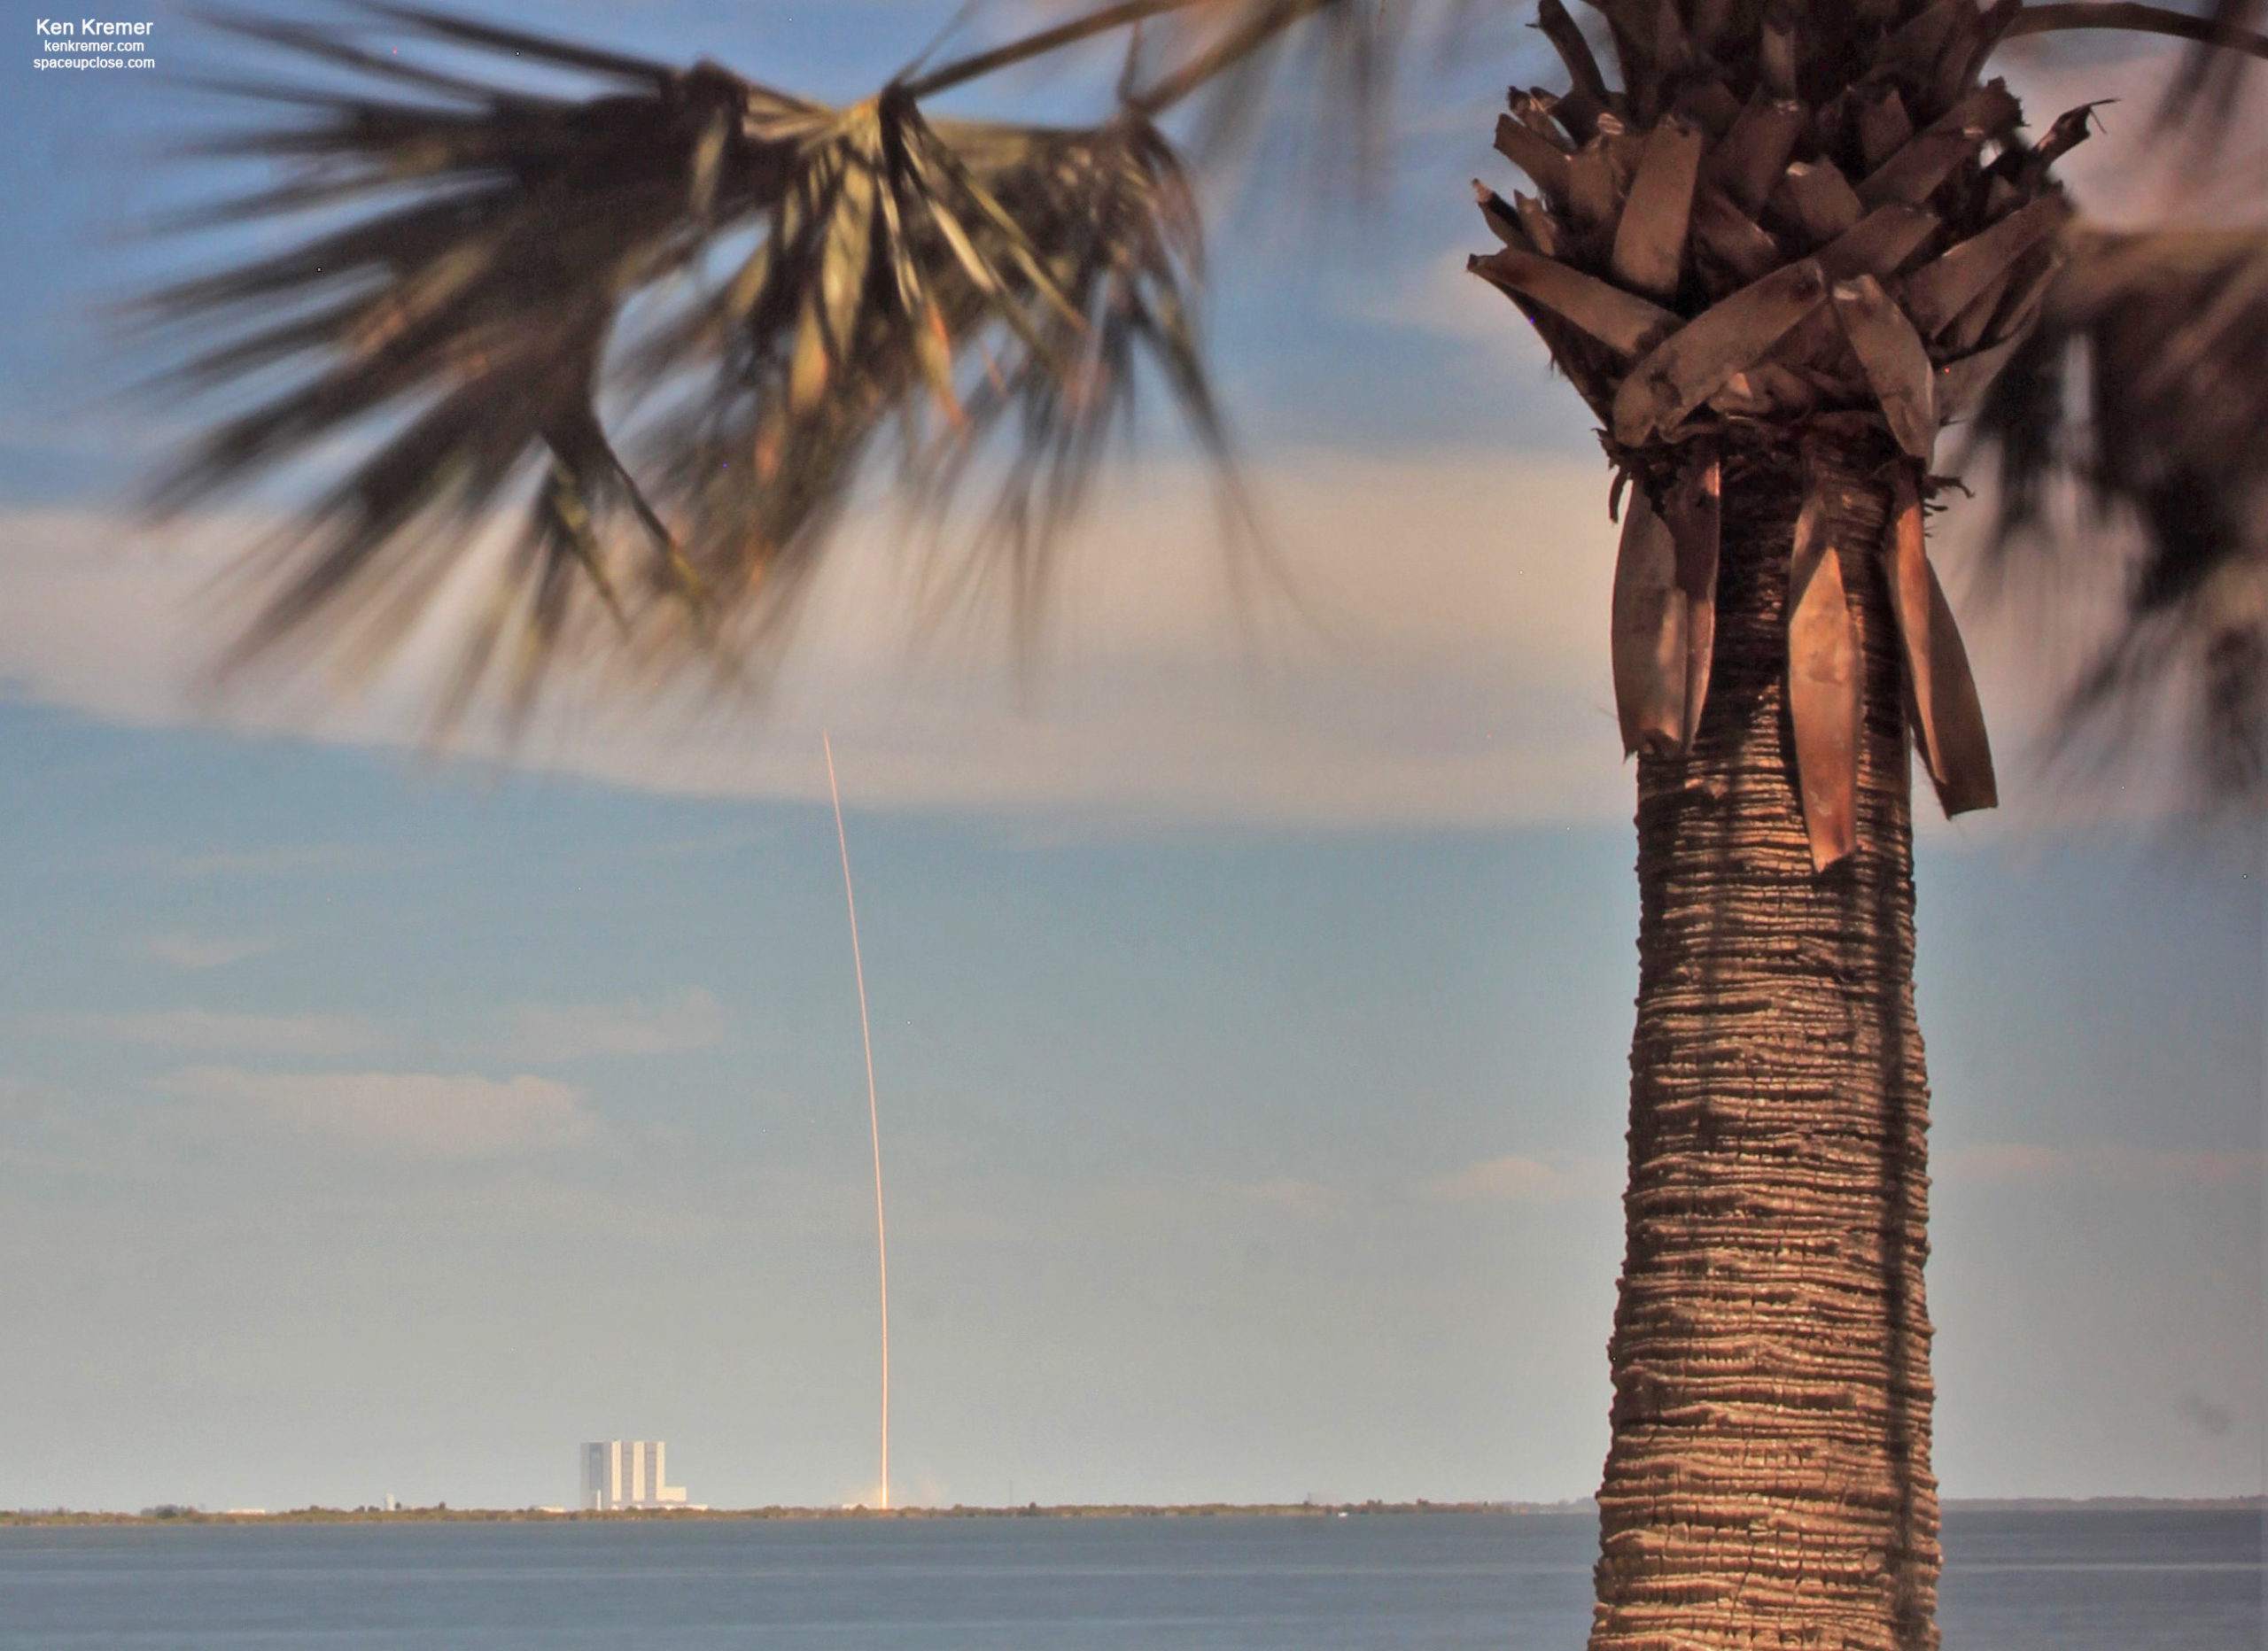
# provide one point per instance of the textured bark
(1768, 1484)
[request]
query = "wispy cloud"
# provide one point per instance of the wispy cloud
(205, 1029)
(562, 1032)
(451, 1115)
(204, 951)
(1295, 1193)
(1443, 660)
(2023, 1163)
(1512, 1179)
(316, 859)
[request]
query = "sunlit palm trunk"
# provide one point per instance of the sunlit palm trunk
(1768, 1482)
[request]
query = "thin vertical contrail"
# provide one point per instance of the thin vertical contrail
(874, 1112)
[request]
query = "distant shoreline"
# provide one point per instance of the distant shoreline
(674, 1515)
(444, 1515)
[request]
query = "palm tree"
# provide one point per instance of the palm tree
(1781, 248)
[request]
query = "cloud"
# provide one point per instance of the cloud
(552, 1032)
(317, 859)
(1443, 660)
(203, 1030)
(1292, 1193)
(2004, 1163)
(201, 951)
(1512, 1179)
(2011, 1160)
(458, 1115)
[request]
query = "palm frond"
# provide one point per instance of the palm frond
(1234, 54)
(2165, 337)
(2214, 74)
(978, 280)
(2203, 95)
(674, 324)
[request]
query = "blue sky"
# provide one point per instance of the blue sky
(1251, 1001)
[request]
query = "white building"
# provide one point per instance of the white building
(626, 1473)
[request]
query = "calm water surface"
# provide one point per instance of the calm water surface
(2082, 1581)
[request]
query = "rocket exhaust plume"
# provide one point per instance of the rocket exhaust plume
(874, 1114)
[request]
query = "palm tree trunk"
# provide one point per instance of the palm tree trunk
(1768, 1483)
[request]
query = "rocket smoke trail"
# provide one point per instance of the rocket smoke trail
(874, 1115)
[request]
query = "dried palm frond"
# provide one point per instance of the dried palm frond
(2171, 332)
(1792, 226)
(674, 321)
(1803, 220)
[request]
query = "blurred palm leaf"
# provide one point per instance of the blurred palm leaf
(2164, 338)
(2212, 77)
(1234, 56)
(763, 292)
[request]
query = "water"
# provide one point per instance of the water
(2172, 1580)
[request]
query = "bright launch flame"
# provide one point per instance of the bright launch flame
(874, 1114)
